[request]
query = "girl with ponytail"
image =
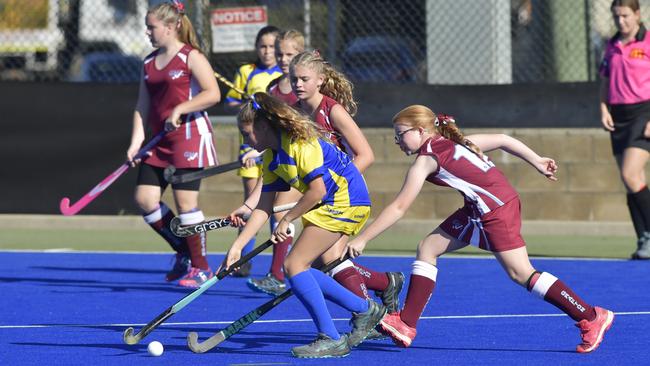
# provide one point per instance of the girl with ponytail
(176, 88)
(490, 219)
(325, 94)
(335, 204)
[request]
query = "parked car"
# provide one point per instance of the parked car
(381, 59)
(106, 67)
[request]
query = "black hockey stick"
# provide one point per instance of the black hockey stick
(199, 174)
(130, 338)
(246, 320)
(202, 227)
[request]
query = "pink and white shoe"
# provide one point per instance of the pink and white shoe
(195, 278)
(401, 333)
(592, 332)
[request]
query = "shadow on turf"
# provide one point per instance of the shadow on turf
(492, 349)
(123, 287)
(129, 349)
(108, 269)
(248, 341)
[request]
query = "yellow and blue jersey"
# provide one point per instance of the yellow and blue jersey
(296, 163)
(251, 78)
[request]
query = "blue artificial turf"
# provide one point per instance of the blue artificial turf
(476, 315)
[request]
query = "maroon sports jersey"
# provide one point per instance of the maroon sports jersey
(190, 146)
(483, 186)
(274, 90)
(322, 119)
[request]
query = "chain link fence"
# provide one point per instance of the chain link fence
(409, 41)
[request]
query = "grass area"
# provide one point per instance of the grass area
(392, 242)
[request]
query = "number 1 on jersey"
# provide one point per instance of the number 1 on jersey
(463, 152)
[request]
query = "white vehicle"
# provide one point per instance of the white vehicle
(32, 36)
(29, 34)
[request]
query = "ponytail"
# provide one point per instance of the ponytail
(421, 116)
(447, 128)
(173, 13)
(279, 115)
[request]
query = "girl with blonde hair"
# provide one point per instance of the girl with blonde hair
(176, 88)
(326, 95)
(335, 204)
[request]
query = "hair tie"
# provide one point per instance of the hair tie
(180, 7)
(445, 119)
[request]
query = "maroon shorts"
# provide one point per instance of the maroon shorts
(497, 231)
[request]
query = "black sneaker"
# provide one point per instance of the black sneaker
(364, 323)
(181, 267)
(376, 335)
(243, 271)
(390, 296)
(323, 347)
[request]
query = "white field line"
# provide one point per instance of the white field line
(446, 256)
(227, 322)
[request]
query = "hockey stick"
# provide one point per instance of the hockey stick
(229, 84)
(68, 210)
(189, 230)
(246, 320)
(130, 338)
(200, 174)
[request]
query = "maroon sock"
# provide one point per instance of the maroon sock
(350, 279)
(420, 289)
(376, 281)
(279, 253)
(161, 226)
(198, 250)
(554, 291)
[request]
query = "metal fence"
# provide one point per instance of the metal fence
(407, 41)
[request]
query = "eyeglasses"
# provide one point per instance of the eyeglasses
(399, 135)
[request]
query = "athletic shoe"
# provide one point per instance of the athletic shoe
(364, 323)
(376, 335)
(243, 271)
(643, 251)
(592, 332)
(401, 333)
(195, 278)
(323, 347)
(269, 285)
(181, 267)
(390, 296)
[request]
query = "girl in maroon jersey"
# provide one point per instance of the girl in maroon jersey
(325, 95)
(490, 219)
(177, 86)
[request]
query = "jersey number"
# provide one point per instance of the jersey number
(463, 152)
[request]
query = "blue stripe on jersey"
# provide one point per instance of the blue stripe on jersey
(296, 163)
(257, 70)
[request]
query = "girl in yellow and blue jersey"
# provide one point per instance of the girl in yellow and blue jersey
(252, 78)
(335, 204)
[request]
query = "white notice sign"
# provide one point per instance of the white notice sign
(234, 29)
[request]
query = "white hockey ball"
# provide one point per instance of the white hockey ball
(155, 348)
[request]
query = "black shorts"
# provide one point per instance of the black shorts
(154, 176)
(629, 124)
